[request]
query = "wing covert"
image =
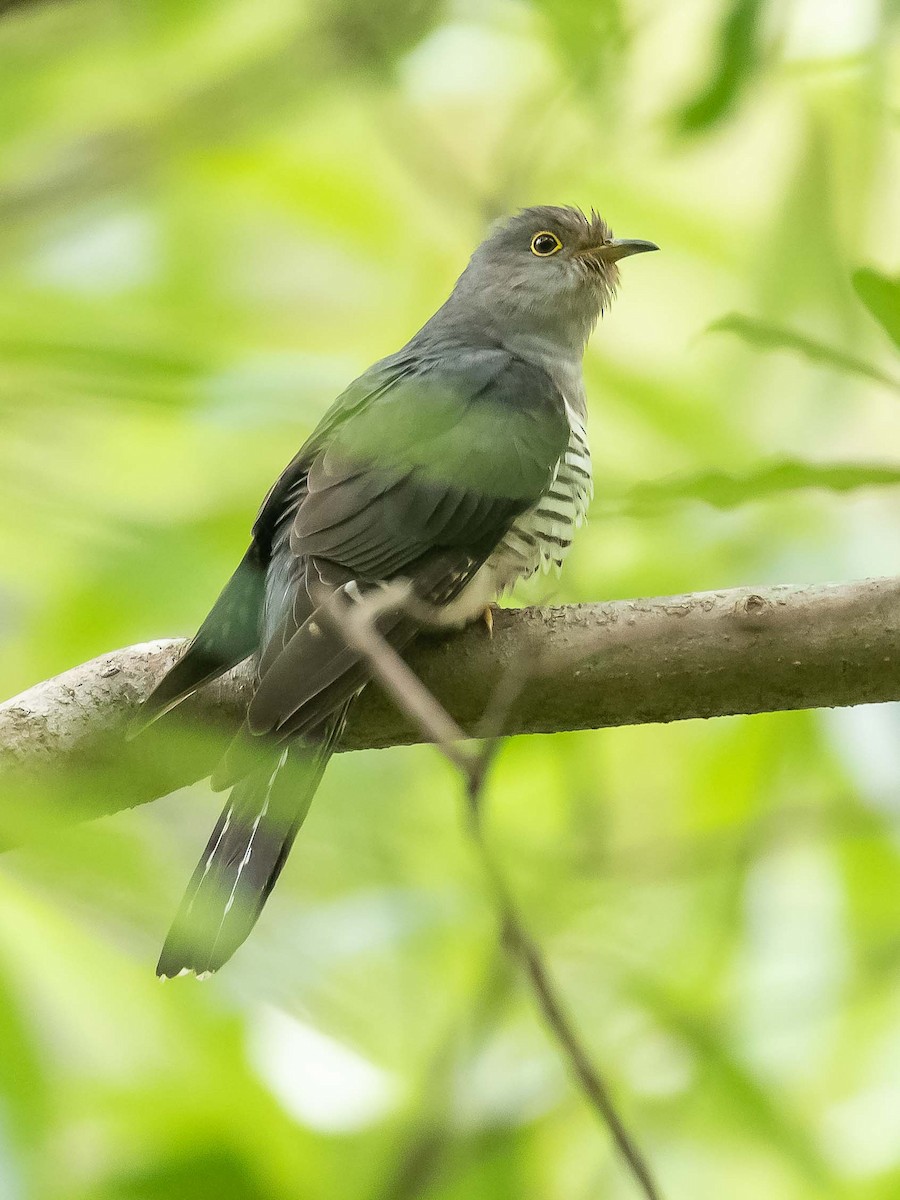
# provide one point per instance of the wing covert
(444, 459)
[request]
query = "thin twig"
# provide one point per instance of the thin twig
(356, 620)
(525, 951)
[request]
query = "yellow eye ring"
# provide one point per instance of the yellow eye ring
(544, 243)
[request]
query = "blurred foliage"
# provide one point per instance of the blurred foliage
(881, 297)
(731, 491)
(213, 213)
(766, 336)
(737, 59)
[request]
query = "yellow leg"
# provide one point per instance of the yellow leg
(489, 620)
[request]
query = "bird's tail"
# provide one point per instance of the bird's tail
(243, 860)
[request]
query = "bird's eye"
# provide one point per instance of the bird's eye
(544, 244)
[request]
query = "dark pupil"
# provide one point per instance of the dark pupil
(545, 244)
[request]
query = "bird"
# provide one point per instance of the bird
(457, 465)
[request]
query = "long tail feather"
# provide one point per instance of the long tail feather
(244, 857)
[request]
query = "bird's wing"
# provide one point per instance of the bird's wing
(229, 634)
(420, 483)
(234, 627)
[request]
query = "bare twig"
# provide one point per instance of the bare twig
(525, 951)
(356, 620)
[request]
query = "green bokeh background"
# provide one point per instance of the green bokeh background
(212, 216)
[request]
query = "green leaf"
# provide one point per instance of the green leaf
(724, 491)
(736, 63)
(775, 337)
(881, 296)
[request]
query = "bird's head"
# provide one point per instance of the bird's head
(549, 270)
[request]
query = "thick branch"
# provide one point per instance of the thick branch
(589, 666)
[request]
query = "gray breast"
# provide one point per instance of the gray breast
(541, 537)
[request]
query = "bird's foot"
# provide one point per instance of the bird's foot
(488, 618)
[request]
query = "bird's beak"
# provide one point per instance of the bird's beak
(620, 248)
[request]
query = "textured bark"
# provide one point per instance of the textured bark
(589, 666)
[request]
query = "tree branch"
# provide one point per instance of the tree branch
(589, 666)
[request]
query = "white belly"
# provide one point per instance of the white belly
(539, 538)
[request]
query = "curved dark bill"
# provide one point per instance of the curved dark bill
(622, 248)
